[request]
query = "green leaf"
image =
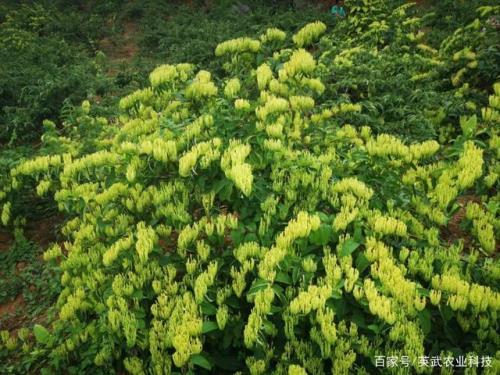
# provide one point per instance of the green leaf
(361, 262)
(423, 292)
(321, 236)
(221, 184)
(358, 234)
(201, 361)
(337, 294)
(339, 306)
(209, 326)
(137, 294)
(208, 308)
(295, 274)
(279, 291)
(359, 319)
(446, 312)
(257, 285)
(324, 217)
(41, 334)
(283, 278)
(237, 236)
(227, 362)
(348, 247)
(374, 327)
(251, 237)
(252, 227)
(424, 317)
(225, 193)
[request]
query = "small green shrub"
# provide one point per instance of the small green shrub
(42, 68)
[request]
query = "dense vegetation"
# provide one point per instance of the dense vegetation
(56, 53)
(299, 200)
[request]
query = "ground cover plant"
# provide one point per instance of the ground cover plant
(44, 67)
(56, 53)
(318, 202)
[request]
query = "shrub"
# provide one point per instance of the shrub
(42, 69)
(180, 33)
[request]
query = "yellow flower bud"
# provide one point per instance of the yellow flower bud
(309, 33)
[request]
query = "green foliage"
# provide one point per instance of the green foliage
(191, 35)
(31, 274)
(264, 220)
(42, 68)
(50, 60)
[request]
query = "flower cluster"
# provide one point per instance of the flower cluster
(165, 74)
(242, 104)
(234, 166)
(204, 281)
(387, 225)
(264, 75)
(6, 213)
(483, 224)
(201, 87)
(272, 105)
(232, 88)
(298, 228)
(313, 299)
(262, 306)
(301, 103)
(309, 34)
(273, 35)
(238, 45)
(301, 62)
(205, 152)
(146, 240)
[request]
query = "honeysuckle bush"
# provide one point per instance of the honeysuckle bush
(258, 225)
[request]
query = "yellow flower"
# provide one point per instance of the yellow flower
(162, 74)
(201, 87)
(388, 225)
(272, 105)
(273, 35)
(232, 88)
(352, 184)
(296, 370)
(6, 213)
(264, 75)
(301, 103)
(238, 45)
(313, 299)
(146, 240)
(309, 33)
(470, 165)
(301, 61)
(241, 104)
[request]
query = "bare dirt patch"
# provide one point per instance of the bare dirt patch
(6, 240)
(453, 231)
(10, 311)
(44, 231)
(122, 48)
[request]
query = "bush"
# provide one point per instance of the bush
(180, 33)
(42, 69)
(258, 226)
